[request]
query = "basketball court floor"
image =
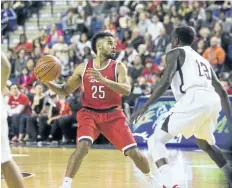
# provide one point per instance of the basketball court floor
(108, 168)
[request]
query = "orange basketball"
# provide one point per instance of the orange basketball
(48, 68)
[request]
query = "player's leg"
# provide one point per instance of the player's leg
(206, 141)
(139, 159)
(86, 134)
(215, 153)
(12, 174)
(115, 128)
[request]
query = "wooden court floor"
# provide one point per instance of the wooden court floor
(104, 168)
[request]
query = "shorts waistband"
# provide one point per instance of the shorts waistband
(200, 88)
(101, 110)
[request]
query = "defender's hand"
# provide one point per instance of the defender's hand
(95, 74)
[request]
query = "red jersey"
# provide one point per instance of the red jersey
(96, 95)
(21, 100)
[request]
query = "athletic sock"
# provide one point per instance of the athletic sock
(67, 182)
(228, 172)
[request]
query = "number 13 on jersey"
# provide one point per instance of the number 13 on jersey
(98, 92)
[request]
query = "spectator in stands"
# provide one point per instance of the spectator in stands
(154, 79)
(37, 108)
(204, 34)
(20, 7)
(160, 44)
(23, 44)
(149, 69)
(12, 59)
(87, 54)
(31, 74)
(184, 9)
(198, 11)
(41, 41)
(226, 86)
(79, 42)
(54, 34)
(144, 53)
(136, 71)
(108, 25)
(136, 38)
(19, 112)
(8, 18)
(69, 22)
(167, 24)
(200, 46)
(154, 27)
(23, 79)
(20, 62)
(148, 42)
(58, 109)
(144, 23)
(215, 53)
(173, 11)
(37, 54)
(226, 22)
(61, 51)
(217, 31)
(210, 19)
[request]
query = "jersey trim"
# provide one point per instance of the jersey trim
(181, 76)
(83, 73)
(103, 67)
(116, 74)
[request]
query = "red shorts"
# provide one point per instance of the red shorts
(112, 125)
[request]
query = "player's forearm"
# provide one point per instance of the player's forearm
(58, 89)
(120, 88)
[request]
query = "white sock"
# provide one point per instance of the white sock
(67, 181)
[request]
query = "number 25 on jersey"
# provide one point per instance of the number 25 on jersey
(98, 92)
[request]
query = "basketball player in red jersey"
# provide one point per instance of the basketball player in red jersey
(104, 81)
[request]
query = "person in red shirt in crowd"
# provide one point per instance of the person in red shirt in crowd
(23, 44)
(59, 109)
(149, 69)
(18, 113)
(226, 86)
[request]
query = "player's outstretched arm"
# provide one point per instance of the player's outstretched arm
(5, 69)
(122, 86)
(71, 85)
(163, 84)
(226, 106)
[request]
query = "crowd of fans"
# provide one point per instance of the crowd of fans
(143, 37)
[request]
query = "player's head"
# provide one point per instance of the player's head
(14, 90)
(103, 43)
(183, 35)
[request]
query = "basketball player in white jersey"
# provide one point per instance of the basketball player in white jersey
(9, 168)
(199, 97)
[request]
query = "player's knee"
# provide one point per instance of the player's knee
(133, 153)
(83, 147)
(203, 144)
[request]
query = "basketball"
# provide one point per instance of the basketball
(48, 68)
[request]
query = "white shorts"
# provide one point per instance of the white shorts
(5, 145)
(196, 113)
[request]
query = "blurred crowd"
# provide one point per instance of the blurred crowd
(143, 36)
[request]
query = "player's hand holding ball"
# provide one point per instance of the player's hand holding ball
(48, 68)
(95, 74)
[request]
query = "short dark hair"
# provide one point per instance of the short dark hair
(13, 85)
(185, 34)
(97, 36)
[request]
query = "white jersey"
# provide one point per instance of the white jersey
(195, 72)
